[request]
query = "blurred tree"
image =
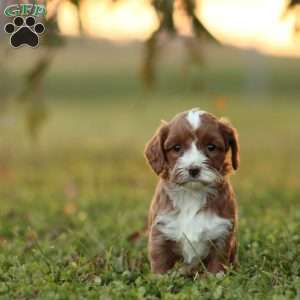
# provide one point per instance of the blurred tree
(294, 5)
(165, 11)
(31, 93)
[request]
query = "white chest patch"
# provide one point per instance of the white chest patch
(192, 229)
(194, 118)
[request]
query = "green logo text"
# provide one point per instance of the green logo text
(24, 10)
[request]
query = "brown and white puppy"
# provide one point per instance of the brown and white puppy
(193, 214)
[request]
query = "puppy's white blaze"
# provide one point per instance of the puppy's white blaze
(192, 157)
(194, 118)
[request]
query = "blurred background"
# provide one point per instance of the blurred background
(76, 112)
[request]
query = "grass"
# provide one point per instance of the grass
(68, 204)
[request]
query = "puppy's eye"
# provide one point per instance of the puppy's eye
(211, 147)
(176, 148)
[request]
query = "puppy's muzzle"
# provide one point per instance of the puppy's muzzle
(194, 172)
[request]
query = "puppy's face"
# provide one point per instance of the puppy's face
(191, 150)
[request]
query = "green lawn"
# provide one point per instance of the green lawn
(68, 203)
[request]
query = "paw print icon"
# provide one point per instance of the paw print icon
(24, 32)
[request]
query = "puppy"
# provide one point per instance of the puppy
(193, 213)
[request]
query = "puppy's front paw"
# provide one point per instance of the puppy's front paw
(216, 267)
(190, 270)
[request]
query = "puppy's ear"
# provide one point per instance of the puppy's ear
(231, 139)
(154, 151)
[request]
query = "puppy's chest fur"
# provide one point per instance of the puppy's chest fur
(191, 227)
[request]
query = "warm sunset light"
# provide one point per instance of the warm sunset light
(252, 23)
(248, 23)
(121, 21)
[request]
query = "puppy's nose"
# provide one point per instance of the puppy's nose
(194, 171)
